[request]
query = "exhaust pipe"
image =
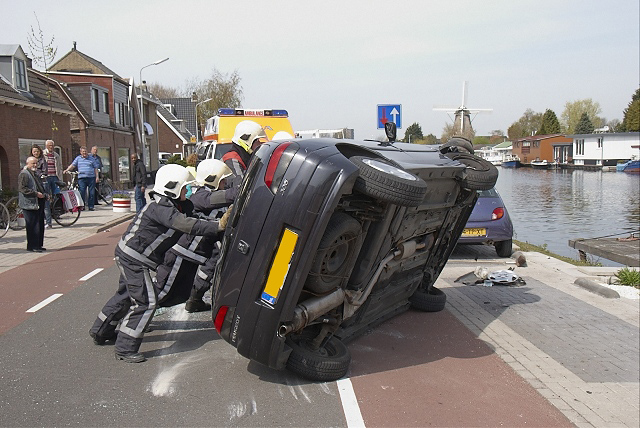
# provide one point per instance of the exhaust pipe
(311, 309)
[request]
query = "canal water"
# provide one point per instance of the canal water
(550, 207)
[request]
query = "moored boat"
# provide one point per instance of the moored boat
(632, 165)
(540, 164)
(511, 162)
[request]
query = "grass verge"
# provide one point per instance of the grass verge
(525, 246)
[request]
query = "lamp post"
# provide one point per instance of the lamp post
(197, 104)
(141, 110)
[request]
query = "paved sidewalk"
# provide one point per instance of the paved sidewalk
(578, 349)
(13, 245)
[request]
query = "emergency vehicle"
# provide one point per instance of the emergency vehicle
(219, 129)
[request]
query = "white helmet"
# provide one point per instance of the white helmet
(282, 135)
(170, 179)
(246, 133)
(211, 171)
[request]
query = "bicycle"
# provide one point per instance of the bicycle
(104, 190)
(5, 220)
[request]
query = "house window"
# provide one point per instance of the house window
(105, 102)
(95, 100)
(600, 142)
(116, 113)
(580, 147)
(123, 165)
(21, 75)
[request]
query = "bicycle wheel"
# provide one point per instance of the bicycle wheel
(16, 220)
(5, 220)
(61, 215)
(106, 193)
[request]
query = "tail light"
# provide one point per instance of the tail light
(220, 316)
(497, 214)
(280, 160)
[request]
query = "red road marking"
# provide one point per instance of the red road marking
(57, 272)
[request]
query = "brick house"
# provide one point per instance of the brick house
(28, 114)
(542, 147)
(173, 135)
(106, 109)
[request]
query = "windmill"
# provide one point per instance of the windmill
(462, 115)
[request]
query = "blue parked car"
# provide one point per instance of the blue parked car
(489, 223)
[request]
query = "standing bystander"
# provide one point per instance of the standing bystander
(87, 175)
(54, 174)
(98, 160)
(139, 181)
(31, 199)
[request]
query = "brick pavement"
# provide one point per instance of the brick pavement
(577, 349)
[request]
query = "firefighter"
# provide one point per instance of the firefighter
(155, 229)
(247, 137)
(188, 266)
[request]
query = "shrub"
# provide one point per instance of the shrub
(630, 277)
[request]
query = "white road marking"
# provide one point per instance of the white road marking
(350, 404)
(90, 274)
(44, 303)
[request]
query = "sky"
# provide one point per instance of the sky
(330, 63)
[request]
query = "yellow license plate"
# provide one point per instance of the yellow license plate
(474, 232)
(280, 267)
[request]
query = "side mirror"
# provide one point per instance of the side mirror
(391, 130)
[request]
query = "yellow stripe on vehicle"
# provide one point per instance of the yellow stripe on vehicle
(280, 267)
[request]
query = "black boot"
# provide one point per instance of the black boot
(195, 302)
(131, 357)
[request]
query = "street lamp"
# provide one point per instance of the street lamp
(197, 104)
(141, 110)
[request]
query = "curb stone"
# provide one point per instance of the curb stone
(114, 222)
(595, 287)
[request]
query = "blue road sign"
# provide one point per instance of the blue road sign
(390, 113)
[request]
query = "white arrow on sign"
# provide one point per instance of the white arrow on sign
(394, 113)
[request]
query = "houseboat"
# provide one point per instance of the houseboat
(511, 162)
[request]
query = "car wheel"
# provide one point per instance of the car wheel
(431, 300)
(504, 248)
(386, 182)
(480, 173)
(328, 363)
(457, 145)
(336, 253)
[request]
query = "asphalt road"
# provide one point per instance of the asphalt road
(418, 369)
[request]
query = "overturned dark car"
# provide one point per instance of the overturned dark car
(329, 238)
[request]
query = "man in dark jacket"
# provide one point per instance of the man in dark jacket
(31, 198)
(139, 181)
(155, 229)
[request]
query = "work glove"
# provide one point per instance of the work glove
(222, 224)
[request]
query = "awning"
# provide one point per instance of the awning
(148, 129)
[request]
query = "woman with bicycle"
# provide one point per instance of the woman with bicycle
(31, 199)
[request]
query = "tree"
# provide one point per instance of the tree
(584, 126)
(162, 91)
(223, 89)
(550, 124)
(572, 114)
(447, 132)
(413, 133)
(497, 136)
(481, 141)
(631, 115)
(526, 126)
(43, 54)
(431, 139)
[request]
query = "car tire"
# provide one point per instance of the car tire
(504, 248)
(328, 363)
(431, 300)
(480, 173)
(457, 145)
(386, 182)
(336, 253)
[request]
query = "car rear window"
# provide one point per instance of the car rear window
(245, 188)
